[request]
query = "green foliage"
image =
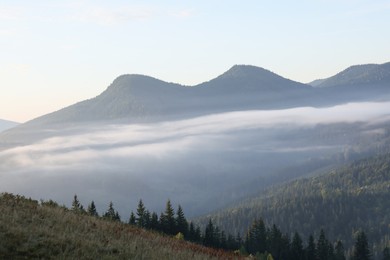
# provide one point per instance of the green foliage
(353, 197)
(111, 214)
(91, 210)
(361, 249)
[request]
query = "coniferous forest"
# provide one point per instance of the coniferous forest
(342, 203)
(260, 241)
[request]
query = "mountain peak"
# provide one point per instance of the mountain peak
(238, 71)
(359, 75)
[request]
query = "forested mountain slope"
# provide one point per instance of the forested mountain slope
(342, 202)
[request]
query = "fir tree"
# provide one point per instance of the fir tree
(181, 222)
(297, 252)
(209, 235)
(132, 220)
(91, 210)
(311, 252)
(167, 220)
(110, 214)
(339, 251)
(257, 237)
(140, 218)
(322, 247)
(154, 223)
(361, 248)
(76, 206)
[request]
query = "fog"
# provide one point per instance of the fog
(202, 163)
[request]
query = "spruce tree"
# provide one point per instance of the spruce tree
(339, 251)
(311, 252)
(167, 220)
(91, 210)
(209, 235)
(257, 237)
(132, 220)
(110, 214)
(181, 222)
(322, 247)
(140, 218)
(76, 206)
(154, 223)
(297, 252)
(361, 248)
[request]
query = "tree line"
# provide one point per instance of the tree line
(260, 241)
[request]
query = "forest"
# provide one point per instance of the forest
(342, 202)
(259, 241)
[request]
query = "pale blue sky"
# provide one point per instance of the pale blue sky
(55, 53)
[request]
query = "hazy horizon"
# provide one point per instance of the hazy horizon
(55, 54)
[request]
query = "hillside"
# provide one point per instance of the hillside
(5, 124)
(32, 230)
(342, 202)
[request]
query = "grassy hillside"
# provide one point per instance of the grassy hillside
(32, 230)
(342, 202)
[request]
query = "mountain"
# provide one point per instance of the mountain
(368, 74)
(356, 83)
(5, 124)
(343, 201)
(137, 98)
(33, 230)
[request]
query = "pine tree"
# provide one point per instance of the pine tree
(361, 248)
(191, 232)
(110, 214)
(76, 206)
(339, 251)
(275, 242)
(209, 235)
(181, 222)
(257, 237)
(140, 219)
(154, 223)
(297, 252)
(322, 247)
(92, 209)
(167, 220)
(132, 220)
(311, 252)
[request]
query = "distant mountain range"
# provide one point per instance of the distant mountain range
(5, 124)
(138, 98)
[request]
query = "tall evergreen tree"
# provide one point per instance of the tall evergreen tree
(110, 214)
(140, 218)
(209, 235)
(275, 242)
(91, 210)
(132, 220)
(257, 237)
(361, 248)
(322, 247)
(154, 223)
(167, 219)
(311, 252)
(76, 205)
(181, 222)
(339, 251)
(297, 252)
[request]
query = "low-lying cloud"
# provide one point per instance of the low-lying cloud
(189, 160)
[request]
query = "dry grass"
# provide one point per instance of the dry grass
(29, 230)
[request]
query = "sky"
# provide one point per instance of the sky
(56, 53)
